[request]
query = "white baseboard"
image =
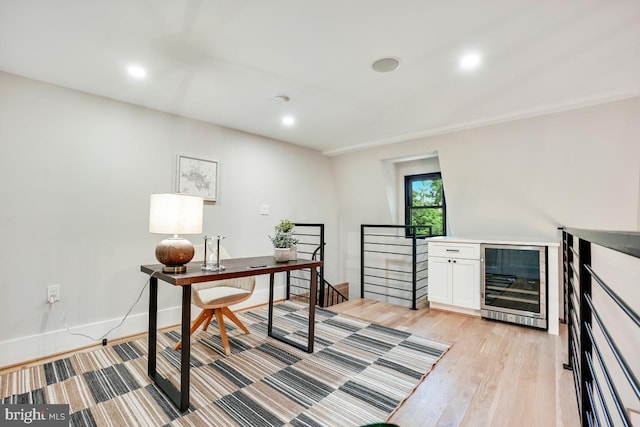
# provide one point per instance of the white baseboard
(457, 309)
(26, 349)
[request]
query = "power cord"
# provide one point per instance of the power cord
(103, 337)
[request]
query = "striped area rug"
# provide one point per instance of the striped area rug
(359, 374)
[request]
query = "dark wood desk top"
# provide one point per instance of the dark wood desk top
(235, 267)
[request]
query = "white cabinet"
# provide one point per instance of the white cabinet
(454, 275)
(439, 280)
(465, 283)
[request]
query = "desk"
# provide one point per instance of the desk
(240, 267)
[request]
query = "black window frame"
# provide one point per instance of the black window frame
(408, 203)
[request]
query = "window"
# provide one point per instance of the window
(425, 204)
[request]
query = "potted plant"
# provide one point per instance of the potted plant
(283, 242)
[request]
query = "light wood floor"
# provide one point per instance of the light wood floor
(495, 374)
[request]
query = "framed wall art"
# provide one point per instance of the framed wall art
(197, 177)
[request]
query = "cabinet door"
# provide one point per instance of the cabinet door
(465, 278)
(440, 280)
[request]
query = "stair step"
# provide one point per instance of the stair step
(343, 288)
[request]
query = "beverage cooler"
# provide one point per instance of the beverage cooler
(514, 284)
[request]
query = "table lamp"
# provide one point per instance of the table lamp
(175, 214)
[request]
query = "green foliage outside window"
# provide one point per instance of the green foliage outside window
(425, 204)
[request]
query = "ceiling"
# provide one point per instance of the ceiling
(222, 61)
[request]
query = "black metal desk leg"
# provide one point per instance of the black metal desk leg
(312, 310)
(179, 397)
(185, 361)
(313, 293)
(270, 320)
(153, 326)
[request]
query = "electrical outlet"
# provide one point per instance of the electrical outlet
(53, 293)
(264, 209)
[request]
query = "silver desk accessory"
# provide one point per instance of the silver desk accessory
(212, 262)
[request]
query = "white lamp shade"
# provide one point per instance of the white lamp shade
(175, 214)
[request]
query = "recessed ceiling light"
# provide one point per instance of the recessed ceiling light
(288, 120)
(385, 65)
(470, 61)
(137, 71)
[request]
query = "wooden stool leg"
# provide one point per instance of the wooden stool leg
(207, 321)
(201, 318)
(234, 319)
(223, 331)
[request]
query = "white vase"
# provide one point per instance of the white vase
(293, 253)
(281, 254)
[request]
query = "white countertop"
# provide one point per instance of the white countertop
(527, 241)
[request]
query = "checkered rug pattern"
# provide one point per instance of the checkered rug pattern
(359, 373)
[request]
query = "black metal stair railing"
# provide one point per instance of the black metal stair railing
(332, 296)
(605, 375)
(311, 245)
(393, 263)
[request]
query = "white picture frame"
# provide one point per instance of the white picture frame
(197, 177)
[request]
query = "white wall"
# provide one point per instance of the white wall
(515, 180)
(76, 172)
